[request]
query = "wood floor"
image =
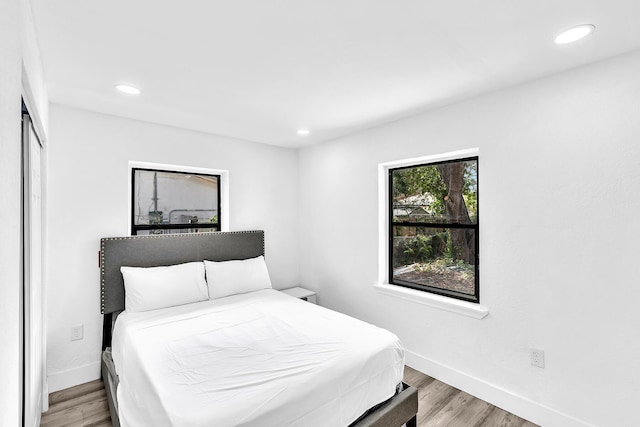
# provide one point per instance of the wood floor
(439, 405)
(79, 406)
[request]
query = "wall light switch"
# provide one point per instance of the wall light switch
(77, 333)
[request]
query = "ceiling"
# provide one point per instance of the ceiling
(259, 70)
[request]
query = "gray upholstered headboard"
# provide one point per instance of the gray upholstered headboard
(166, 249)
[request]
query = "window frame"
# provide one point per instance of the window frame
(475, 298)
(134, 229)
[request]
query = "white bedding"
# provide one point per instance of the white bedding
(257, 359)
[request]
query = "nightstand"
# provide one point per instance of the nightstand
(302, 293)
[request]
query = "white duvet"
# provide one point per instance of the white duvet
(257, 359)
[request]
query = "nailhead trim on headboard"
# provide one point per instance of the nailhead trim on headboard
(161, 236)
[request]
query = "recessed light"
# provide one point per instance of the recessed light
(303, 132)
(128, 89)
(574, 33)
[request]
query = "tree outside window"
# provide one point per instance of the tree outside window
(434, 228)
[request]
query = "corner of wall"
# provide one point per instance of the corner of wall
(72, 377)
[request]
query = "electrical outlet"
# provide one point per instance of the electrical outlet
(77, 333)
(537, 358)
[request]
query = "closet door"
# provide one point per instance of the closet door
(33, 295)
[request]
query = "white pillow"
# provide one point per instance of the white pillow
(226, 278)
(157, 287)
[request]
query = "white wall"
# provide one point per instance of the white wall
(19, 58)
(33, 81)
(559, 176)
(10, 70)
(88, 199)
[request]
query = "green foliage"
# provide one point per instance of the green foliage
(420, 248)
(420, 181)
(471, 201)
(214, 219)
(431, 254)
(470, 189)
(427, 181)
(421, 196)
(452, 254)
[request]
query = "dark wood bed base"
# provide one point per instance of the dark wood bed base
(150, 251)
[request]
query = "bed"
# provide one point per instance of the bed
(259, 358)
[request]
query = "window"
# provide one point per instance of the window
(165, 202)
(433, 227)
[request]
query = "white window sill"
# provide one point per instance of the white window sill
(432, 300)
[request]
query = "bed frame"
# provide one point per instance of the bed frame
(157, 250)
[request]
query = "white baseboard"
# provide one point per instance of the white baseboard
(45, 395)
(72, 377)
(497, 396)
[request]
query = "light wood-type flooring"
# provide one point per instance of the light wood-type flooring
(439, 405)
(82, 405)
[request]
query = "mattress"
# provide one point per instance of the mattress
(257, 359)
